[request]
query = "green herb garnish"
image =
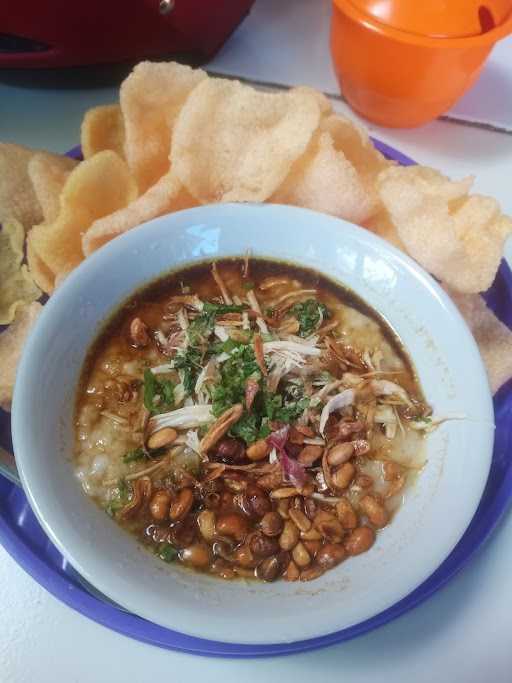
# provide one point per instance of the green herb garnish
(119, 499)
(275, 409)
(189, 364)
(250, 427)
(200, 329)
(202, 326)
(309, 313)
(140, 454)
(224, 347)
(428, 420)
(220, 309)
(133, 456)
(246, 428)
(158, 394)
(167, 552)
(234, 373)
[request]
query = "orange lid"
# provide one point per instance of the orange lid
(438, 18)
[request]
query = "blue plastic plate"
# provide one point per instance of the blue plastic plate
(23, 538)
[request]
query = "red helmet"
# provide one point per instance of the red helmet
(68, 33)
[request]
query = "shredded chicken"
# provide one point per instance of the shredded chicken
(383, 387)
(428, 424)
(338, 402)
(182, 319)
(189, 417)
(162, 369)
(297, 293)
(253, 303)
(319, 396)
(291, 347)
(220, 284)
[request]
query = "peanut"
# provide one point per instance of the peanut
(311, 535)
(196, 555)
(360, 540)
(272, 524)
(344, 475)
(269, 569)
(300, 555)
(346, 514)
(160, 504)
(330, 555)
(340, 454)
(258, 502)
(329, 526)
(258, 450)
(232, 525)
(300, 519)
(292, 572)
(263, 546)
(182, 505)
(283, 506)
(228, 450)
(309, 454)
(285, 492)
(206, 523)
(375, 511)
(331, 530)
(163, 437)
(289, 536)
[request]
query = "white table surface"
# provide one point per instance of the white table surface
(460, 635)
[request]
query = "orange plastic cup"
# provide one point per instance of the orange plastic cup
(403, 79)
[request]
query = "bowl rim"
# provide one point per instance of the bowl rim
(109, 251)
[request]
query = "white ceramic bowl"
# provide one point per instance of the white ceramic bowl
(437, 509)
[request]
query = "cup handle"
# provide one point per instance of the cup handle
(8, 467)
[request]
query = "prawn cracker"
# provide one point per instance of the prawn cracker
(167, 195)
(151, 99)
(457, 237)
(11, 346)
(17, 287)
(48, 175)
(234, 143)
(312, 179)
(95, 188)
(102, 128)
(18, 199)
(354, 142)
(493, 337)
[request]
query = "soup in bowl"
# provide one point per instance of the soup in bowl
(250, 419)
(295, 419)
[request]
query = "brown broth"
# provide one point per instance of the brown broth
(109, 402)
(151, 299)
